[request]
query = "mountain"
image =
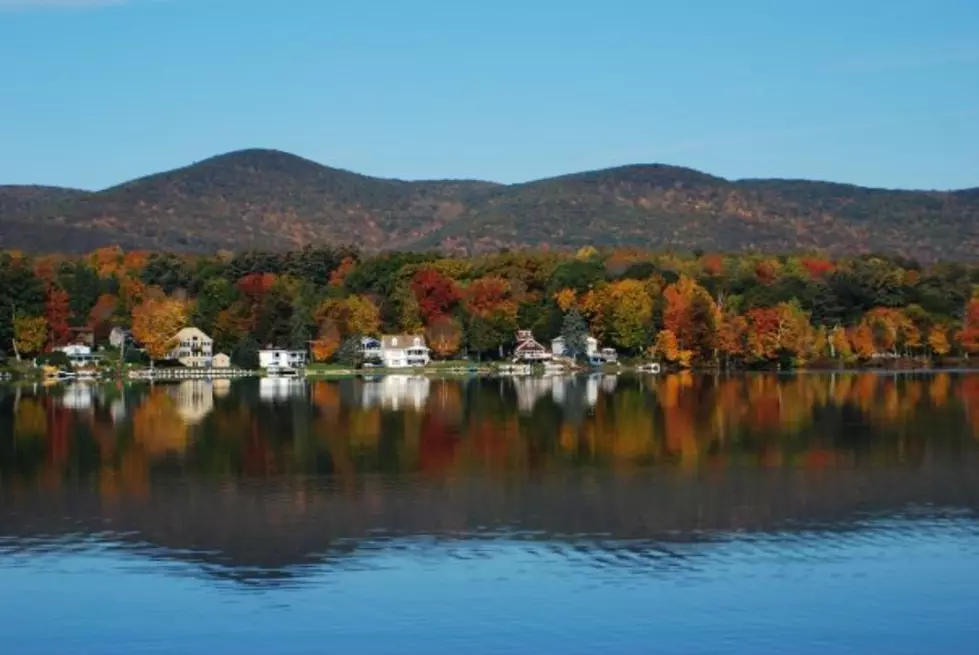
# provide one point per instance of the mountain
(274, 200)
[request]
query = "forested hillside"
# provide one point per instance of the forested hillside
(273, 200)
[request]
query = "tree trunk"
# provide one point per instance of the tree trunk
(13, 342)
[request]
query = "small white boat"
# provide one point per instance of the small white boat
(653, 368)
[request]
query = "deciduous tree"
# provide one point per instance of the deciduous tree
(30, 334)
(156, 322)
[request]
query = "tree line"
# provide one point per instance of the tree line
(697, 309)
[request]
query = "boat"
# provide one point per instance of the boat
(277, 372)
(652, 367)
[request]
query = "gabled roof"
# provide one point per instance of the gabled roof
(392, 341)
(530, 344)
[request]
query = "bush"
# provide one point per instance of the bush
(57, 359)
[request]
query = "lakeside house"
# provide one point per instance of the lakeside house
(281, 360)
(120, 336)
(221, 360)
(559, 347)
(530, 350)
(79, 354)
(404, 351)
(371, 350)
(193, 349)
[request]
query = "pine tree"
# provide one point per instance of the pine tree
(574, 331)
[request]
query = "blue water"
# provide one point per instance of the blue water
(803, 514)
(902, 585)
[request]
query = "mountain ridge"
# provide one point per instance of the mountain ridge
(270, 199)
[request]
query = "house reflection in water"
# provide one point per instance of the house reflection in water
(276, 389)
(194, 400)
(78, 397)
(563, 390)
(396, 392)
(222, 387)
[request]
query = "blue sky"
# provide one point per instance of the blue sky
(882, 93)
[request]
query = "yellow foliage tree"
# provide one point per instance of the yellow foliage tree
(353, 316)
(565, 299)
(667, 346)
(156, 322)
(30, 334)
(938, 340)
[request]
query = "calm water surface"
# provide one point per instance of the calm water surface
(755, 514)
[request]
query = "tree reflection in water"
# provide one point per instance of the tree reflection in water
(256, 477)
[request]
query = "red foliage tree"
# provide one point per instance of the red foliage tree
(485, 295)
(436, 294)
(57, 311)
(817, 267)
(254, 286)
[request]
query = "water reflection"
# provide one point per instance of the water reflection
(257, 480)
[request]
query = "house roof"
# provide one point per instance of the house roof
(530, 344)
(190, 333)
(402, 341)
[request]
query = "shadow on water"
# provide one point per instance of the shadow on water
(265, 482)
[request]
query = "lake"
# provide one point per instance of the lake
(809, 513)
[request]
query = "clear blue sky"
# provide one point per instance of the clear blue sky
(875, 92)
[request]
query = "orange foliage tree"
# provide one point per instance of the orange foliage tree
(444, 336)
(156, 322)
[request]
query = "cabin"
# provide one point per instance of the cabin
(404, 351)
(221, 360)
(193, 348)
(530, 350)
(281, 360)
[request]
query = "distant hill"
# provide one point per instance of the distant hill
(274, 200)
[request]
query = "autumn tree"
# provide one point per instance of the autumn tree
(968, 336)
(156, 322)
(444, 336)
(57, 311)
(690, 314)
(938, 341)
(327, 341)
(30, 334)
(437, 294)
(352, 316)
(667, 347)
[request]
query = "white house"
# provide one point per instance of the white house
(370, 349)
(559, 348)
(79, 354)
(281, 360)
(403, 351)
(120, 336)
(193, 349)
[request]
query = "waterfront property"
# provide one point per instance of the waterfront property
(221, 360)
(530, 350)
(120, 337)
(559, 347)
(79, 354)
(276, 361)
(371, 350)
(193, 348)
(404, 351)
